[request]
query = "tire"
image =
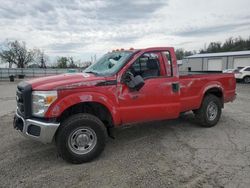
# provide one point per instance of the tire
(81, 138)
(246, 79)
(209, 113)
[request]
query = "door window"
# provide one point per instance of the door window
(147, 66)
(247, 69)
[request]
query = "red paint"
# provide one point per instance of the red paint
(155, 101)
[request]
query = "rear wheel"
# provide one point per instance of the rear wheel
(209, 113)
(247, 79)
(81, 138)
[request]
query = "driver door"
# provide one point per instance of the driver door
(156, 100)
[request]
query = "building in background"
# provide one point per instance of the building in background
(216, 61)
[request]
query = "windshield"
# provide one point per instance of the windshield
(110, 63)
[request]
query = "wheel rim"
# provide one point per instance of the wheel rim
(82, 140)
(247, 79)
(212, 111)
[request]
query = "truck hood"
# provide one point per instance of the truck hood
(65, 81)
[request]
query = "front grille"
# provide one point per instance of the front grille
(23, 98)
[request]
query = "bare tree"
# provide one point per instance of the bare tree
(86, 64)
(72, 63)
(40, 58)
(7, 57)
(15, 52)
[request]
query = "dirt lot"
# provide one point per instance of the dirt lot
(174, 153)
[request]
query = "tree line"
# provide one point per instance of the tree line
(16, 53)
(231, 44)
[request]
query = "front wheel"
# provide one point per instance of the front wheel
(209, 113)
(81, 138)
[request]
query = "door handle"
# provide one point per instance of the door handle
(175, 87)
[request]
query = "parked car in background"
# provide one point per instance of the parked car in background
(243, 74)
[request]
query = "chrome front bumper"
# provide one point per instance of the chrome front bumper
(37, 130)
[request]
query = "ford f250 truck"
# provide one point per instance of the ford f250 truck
(78, 111)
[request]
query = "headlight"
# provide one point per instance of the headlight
(41, 100)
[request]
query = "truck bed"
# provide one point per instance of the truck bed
(193, 86)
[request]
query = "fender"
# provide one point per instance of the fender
(59, 106)
(210, 85)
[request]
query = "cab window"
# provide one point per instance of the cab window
(168, 64)
(147, 66)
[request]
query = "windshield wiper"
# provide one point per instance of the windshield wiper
(92, 72)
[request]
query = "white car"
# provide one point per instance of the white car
(243, 74)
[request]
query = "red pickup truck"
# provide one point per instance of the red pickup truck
(79, 110)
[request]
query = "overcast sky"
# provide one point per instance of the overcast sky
(83, 28)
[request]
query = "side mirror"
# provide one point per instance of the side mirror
(134, 83)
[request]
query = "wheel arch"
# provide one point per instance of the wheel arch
(84, 101)
(97, 109)
(215, 90)
(91, 107)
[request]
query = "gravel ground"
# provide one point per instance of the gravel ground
(175, 153)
